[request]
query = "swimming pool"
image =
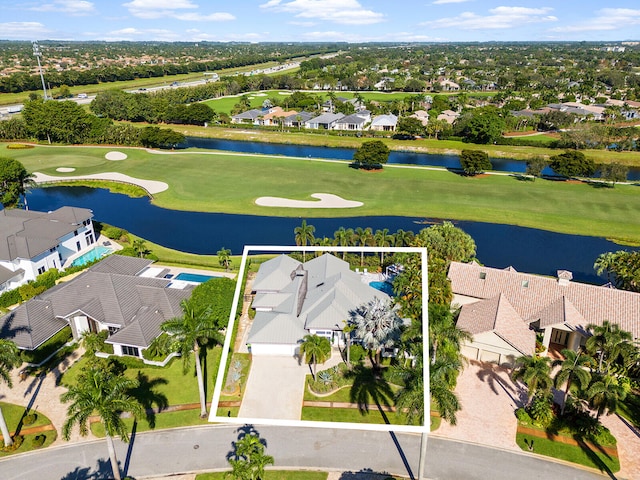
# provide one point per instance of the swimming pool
(94, 254)
(193, 277)
(385, 287)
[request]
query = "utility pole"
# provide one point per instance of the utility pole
(38, 54)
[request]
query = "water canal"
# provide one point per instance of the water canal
(526, 249)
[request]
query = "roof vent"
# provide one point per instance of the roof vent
(564, 277)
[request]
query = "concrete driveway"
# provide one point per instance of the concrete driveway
(275, 387)
(489, 398)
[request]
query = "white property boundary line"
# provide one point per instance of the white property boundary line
(422, 429)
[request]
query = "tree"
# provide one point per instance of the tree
(224, 257)
(571, 371)
(347, 330)
(572, 163)
(315, 349)
(535, 373)
(363, 237)
(14, 182)
(605, 394)
(304, 236)
(189, 333)
(410, 398)
(609, 343)
(441, 375)
(485, 126)
(447, 242)
(623, 265)
(614, 172)
(371, 155)
(343, 237)
(9, 359)
(248, 459)
(474, 162)
(445, 339)
(378, 326)
(99, 390)
(410, 126)
(140, 247)
(535, 166)
(155, 137)
(382, 239)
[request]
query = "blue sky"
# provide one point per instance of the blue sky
(320, 20)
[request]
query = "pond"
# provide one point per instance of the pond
(395, 157)
(526, 249)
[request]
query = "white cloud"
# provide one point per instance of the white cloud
(338, 11)
(499, 18)
(606, 19)
(23, 30)
(150, 9)
(72, 7)
(444, 2)
(133, 34)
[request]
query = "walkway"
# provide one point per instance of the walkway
(628, 445)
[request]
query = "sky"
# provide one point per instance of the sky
(320, 20)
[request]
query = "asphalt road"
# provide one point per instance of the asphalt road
(205, 448)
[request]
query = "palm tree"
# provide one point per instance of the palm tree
(535, 373)
(571, 370)
(101, 391)
(315, 349)
(443, 333)
(403, 238)
(378, 326)
(140, 247)
(224, 257)
(347, 330)
(363, 237)
(342, 237)
(410, 398)
(304, 236)
(442, 378)
(188, 334)
(609, 342)
(249, 460)
(605, 394)
(382, 239)
(9, 359)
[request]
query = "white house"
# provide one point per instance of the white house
(355, 121)
(293, 299)
(325, 121)
(384, 123)
(33, 242)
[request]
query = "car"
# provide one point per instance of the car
(82, 95)
(142, 89)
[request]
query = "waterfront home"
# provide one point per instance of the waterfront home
(384, 123)
(325, 121)
(355, 121)
(293, 299)
(33, 242)
(497, 304)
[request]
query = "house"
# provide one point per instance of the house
(449, 86)
(250, 116)
(355, 121)
(33, 242)
(421, 115)
(123, 295)
(275, 113)
(384, 123)
(448, 116)
(497, 303)
(293, 299)
(298, 119)
(324, 121)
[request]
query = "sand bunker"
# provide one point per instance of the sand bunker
(65, 169)
(326, 200)
(116, 156)
(151, 186)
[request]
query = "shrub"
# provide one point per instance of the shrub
(523, 416)
(541, 410)
(30, 419)
(10, 298)
(38, 440)
(18, 146)
(357, 353)
(30, 290)
(114, 233)
(17, 443)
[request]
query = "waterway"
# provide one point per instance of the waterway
(395, 157)
(526, 249)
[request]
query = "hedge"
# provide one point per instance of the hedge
(47, 348)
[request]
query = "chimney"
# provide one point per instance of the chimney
(564, 277)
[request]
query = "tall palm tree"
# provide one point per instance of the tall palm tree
(382, 239)
(224, 257)
(101, 391)
(410, 398)
(609, 343)
(188, 334)
(571, 370)
(442, 377)
(605, 394)
(9, 359)
(535, 373)
(347, 330)
(342, 238)
(248, 461)
(444, 337)
(363, 237)
(315, 349)
(304, 236)
(140, 247)
(403, 238)
(378, 326)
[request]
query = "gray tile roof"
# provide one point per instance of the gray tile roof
(332, 291)
(31, 324)
(533, 296)
(121, 264)
(26, 234)
(6, 274)
(326, 119)
(115, 299)
(249, 115)
(389, 120)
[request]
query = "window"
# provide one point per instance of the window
(41, 270)
(75, 233)
(132, 351)
(78, 246)
(113, 330)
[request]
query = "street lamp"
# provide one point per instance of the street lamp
(38, 54)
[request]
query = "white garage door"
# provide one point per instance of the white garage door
(469, 352)
(487, 356)
(273, 349)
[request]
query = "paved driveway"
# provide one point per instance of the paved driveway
(489, 398)
(275, 387)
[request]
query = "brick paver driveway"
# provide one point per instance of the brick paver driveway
(489, 398)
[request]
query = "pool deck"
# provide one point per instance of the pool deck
(102, 241)
(173, 270)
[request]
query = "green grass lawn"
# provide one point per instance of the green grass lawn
(160, 421)
(570, 453)
(271, 475)
(13, 414)
(231, 183)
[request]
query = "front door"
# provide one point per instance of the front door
(560, 337)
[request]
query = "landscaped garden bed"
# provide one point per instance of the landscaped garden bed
(35, 430)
